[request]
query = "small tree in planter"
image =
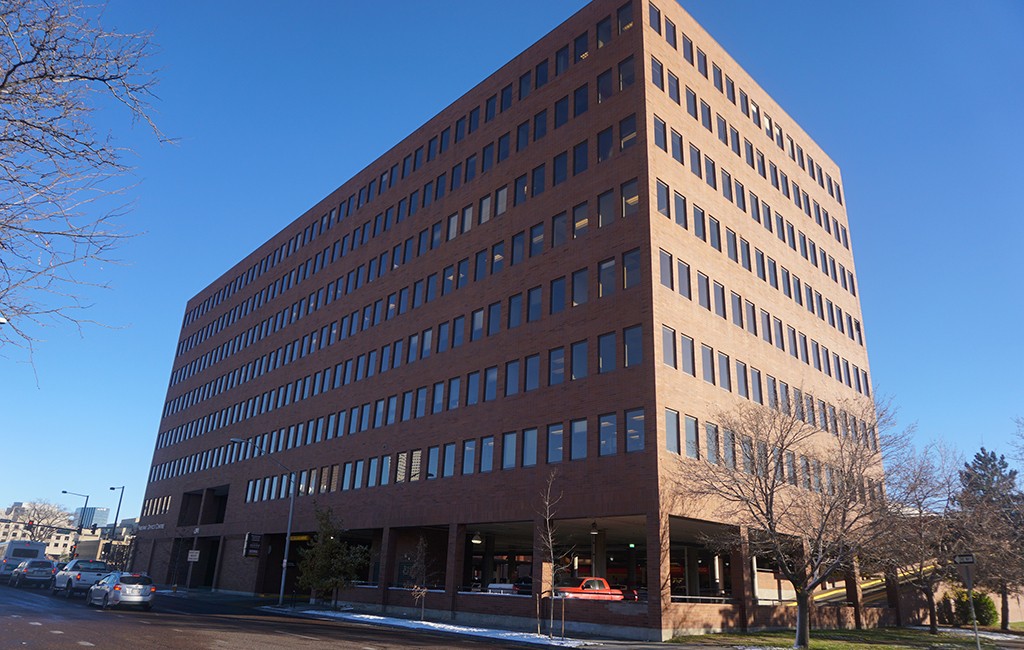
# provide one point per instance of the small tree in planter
(330, 564)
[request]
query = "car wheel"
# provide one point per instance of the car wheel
(53, 587)
(147, 606)
(69, 590)
(106, 602)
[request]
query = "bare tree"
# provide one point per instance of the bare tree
(555, 555)
(804, 485)
(58, 65)
(46, 518)
(920, 531)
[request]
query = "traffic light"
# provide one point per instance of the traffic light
(30, 526)
(93, 529)
(73, 552)
(79, 529)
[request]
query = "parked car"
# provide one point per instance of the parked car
(122, 588)
(78, 575)
(32, 572)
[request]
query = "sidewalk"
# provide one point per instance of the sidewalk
(302, 609)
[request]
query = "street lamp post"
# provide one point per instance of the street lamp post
(84, 508)
(117, 514)
(291, 511)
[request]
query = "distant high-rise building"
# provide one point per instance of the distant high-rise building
(573, 268)
(91, 516)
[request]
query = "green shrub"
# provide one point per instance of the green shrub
(984, 609)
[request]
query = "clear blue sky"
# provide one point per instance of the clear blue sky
(277, 104)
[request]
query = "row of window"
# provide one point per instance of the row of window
(760, 211)
(422, 291)
(708, 229)
(510, 450)
(427, 238)
(754, 158)
(718, 370)
(746, 454)
(155, 506)
(711, 295)
(519, 376)
(725, 85)
(436, 145)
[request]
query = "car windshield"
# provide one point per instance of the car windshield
(25, 552)
(92, 566)
(136, 580)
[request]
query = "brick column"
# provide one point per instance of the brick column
(455, 565)
(659, 570)
(388, 541)
(743, 577)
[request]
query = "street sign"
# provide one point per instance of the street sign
(252, 545)
(964, 558)
(193, 556)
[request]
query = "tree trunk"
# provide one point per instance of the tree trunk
(803, 621)
(933, 614)
(1004, 596)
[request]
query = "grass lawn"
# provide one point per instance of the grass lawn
(885, 638)
(1019, 625)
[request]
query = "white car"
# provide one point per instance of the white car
(122, 588)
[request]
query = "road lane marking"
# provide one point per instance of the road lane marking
(35, 623)
(301, 636)
(56, 632)
(87, 644)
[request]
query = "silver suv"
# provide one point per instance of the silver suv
(32, 572)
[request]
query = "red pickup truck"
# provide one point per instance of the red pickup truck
(591, 588)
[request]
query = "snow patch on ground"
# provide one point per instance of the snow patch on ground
(966, 631)
(519, 637)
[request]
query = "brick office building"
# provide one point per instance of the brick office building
(543, 276)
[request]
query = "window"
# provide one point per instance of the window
(561, 111)
(606, 209)
(579, 360)
(711, 443)
(557, 297)
(580, 48)
(487, 454)
(555, 443)
(580, 286)
(468, 456)
(607, 434)
(630, 198)
(540, 125)
(657, 73)
(626, 73)
(660, 134)
(532, 372)
(683, 277)
(560, 167)
(529, 447)
(577, 439)
(692, 441)
(707, 358)
(533, 304)
(605, 144)
(634, 430)
(604, 86)
(580, 158)
(604, 32)
(512, 378)
(556, 366)
(605, 278)
(606, 353)
(632, 339)
(508, 450)
(627, 132)
(580, 220)
(665, 264)
(668, 346)
(561, 60)
(580, 100)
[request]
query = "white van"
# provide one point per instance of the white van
(16, 551)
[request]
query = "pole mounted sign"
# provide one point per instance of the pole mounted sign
(964, 558)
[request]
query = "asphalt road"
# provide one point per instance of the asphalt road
(31, 618)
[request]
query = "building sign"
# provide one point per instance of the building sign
(253, 541)
(193, 556)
